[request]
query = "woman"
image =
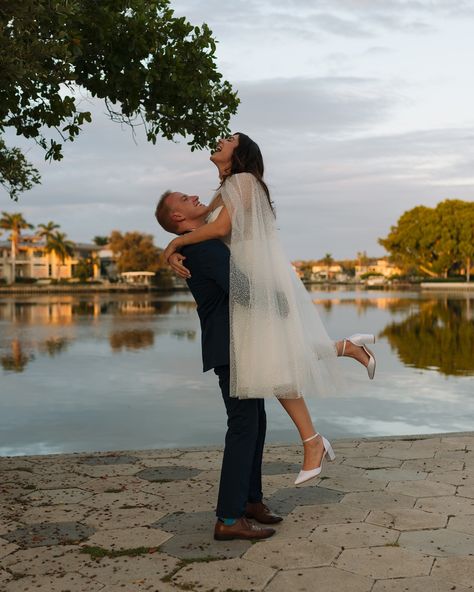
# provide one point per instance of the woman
(279, 346)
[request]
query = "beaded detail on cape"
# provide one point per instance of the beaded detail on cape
(278, 344)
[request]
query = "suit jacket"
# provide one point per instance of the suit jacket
(208, 263)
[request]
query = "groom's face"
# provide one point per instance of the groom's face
(184, 207)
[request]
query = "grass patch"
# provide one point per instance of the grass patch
(99, 552)
(160, 480)
(395, 544)
(114, 490)
(184, 562)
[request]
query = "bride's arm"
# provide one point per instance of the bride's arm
(220, 228)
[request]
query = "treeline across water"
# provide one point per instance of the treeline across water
(438, 242)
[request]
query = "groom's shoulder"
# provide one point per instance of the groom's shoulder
(206, 247)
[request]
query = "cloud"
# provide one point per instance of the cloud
(346, 18)
(313, 105)
(337, 182)
(338, 25)
(419, 158)
(344, 99)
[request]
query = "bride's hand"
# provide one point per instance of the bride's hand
(176, 263)
(173, 246)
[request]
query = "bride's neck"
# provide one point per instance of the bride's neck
(224, 169)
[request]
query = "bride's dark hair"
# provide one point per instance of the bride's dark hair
(247, 158)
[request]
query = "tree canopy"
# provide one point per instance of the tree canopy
(135, 251)
(152, 69)
(434, 241)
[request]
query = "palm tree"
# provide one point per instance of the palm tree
(85, 268)
(46, 230)
(101, 241)
(15, 223)
(362, 258)
(328, 261)
(61, 247)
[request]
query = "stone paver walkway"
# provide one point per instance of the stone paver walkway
(389, 515)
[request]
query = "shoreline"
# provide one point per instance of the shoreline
(120, 288)
(211, 447)
(84, 289)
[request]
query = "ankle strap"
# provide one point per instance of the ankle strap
(344, 341)
(311, 437)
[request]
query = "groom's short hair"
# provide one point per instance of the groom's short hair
(163, 213)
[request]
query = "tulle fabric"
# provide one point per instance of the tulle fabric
(278, 344)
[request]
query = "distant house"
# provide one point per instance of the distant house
(320, 271)
(32, 260)
(380, 267)
(137, 277)
(297, 267)
(311, 271)
(108, 266)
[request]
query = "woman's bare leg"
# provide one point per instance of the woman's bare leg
(299, 413)
(352, 351)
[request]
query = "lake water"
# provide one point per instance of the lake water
(116, 372)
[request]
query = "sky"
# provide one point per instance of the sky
(362, 110)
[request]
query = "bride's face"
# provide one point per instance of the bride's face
(222, 155)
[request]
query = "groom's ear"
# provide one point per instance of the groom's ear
(177, 217)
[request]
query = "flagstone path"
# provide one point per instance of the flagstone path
(389, 515)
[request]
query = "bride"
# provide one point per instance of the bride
(278, 344)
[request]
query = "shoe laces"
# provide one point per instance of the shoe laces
(249, 524)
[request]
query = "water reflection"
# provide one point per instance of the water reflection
(434, 333)
(149, 345)
(189, 335)
(363, 304)
(16, 354)
(16, 359)
(64, 309)
(54, 345)
(438, 335)
(32, 323)
(131, 339)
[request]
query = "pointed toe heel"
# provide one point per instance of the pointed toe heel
(303, 475)
(361, 339)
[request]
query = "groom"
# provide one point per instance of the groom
(240, 488)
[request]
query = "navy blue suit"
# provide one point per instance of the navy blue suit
(241, 474)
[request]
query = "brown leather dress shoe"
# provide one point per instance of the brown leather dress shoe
(242, 529)
(261, 513)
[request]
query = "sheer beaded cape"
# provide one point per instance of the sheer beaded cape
(278, 344)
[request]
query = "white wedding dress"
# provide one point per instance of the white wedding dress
(278, 344)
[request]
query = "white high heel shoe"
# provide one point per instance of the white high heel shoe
(361, 339)
(307, 475)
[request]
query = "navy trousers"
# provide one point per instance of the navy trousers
(241, 474)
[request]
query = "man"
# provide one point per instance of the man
(240, 488)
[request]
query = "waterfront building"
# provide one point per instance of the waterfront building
(143, 278)
(108, 265)
(320, 271)
(380, 267)
(32, 260)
